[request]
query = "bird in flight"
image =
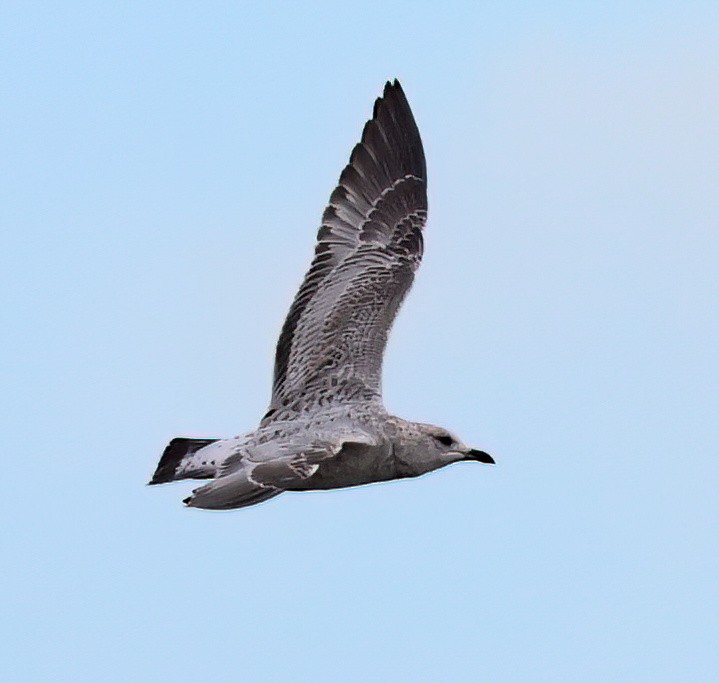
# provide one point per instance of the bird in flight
(326, 426)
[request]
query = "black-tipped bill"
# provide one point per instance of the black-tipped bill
(480, 456)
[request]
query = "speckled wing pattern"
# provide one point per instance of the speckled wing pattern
(368, 247)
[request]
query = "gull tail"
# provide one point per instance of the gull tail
(177, 461)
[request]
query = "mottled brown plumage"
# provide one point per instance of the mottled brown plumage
(326, 426)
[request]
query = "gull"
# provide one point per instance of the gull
(326, 426)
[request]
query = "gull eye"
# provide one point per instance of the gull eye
(445, 440)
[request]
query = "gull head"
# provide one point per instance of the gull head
(432, 447)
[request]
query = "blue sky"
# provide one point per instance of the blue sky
(164, 169)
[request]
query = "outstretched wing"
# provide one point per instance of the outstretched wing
(368, 247)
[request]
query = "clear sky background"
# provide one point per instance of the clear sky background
(164, 169)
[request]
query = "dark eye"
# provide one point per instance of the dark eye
(445, 440)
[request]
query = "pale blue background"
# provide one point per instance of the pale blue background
(164, 168)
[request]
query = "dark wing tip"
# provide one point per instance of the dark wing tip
(402, 144)
(389, 86)
(392, 98)
(395, 86)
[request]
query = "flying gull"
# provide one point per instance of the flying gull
(326, 426)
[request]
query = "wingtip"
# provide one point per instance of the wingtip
(392, 96)
(392, 88)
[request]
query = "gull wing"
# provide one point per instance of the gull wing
(368, 248)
